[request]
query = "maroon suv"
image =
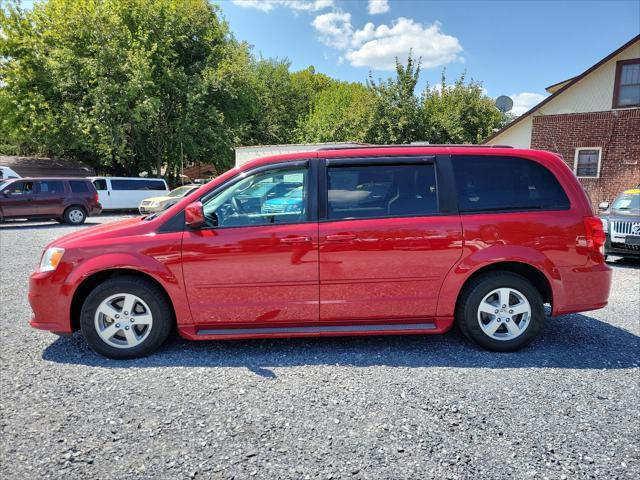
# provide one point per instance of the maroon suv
(69, 200)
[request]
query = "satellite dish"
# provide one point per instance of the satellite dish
(504, 103)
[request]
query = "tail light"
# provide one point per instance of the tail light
(595, 236)
(95, 197)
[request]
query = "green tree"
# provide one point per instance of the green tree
(396, 111)
(341, 112)
(130, 85)
(458, 113)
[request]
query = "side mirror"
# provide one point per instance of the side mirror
(194, 215)
(603, 205)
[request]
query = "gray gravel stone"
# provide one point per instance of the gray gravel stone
(371, 407)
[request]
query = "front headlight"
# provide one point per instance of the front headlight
(605, 224)
(51, 258)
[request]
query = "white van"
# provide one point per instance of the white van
(6, 172)
(122, 193)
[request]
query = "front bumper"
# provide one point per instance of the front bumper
(621, 249)
(145, 209)
(50, 302)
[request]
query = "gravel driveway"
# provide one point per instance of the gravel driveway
(414, 407)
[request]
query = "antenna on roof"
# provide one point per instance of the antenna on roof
(504, 103)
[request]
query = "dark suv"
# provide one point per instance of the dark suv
(69, 200)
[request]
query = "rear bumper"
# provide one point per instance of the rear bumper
(95, 210)
(582, 289)
(50, 302)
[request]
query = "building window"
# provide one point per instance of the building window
(587, 162)
(626, 92)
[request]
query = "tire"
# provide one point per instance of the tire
(488, 289)
(75, 215)
(139, 339)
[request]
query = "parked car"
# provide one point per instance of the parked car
(389, 240)
(69, 200)
(158, 204)
(124, 193)
(622, 224)
(7, 173)
(289, 203)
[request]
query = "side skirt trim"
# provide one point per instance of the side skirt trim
(319, 329)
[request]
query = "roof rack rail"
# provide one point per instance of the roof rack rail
(410, 145)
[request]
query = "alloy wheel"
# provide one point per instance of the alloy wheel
(123, 320)
(76, 216)
(504, 314)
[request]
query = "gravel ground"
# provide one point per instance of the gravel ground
(414, 407)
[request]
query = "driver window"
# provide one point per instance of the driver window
(276, 196)
(21, 188)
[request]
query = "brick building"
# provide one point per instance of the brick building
(593, 121)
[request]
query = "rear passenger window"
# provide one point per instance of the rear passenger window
(486, 184)
(372, 191)
(78, 186)
(51, 186)
(137, 184)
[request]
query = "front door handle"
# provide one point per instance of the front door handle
(341, 237)
(295, 239)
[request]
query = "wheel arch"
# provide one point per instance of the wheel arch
(544, 277)
(92, 281)
(75, 204)
(525, 270)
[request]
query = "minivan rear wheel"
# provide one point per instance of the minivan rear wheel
(500, 311)
(75, 215)
(126, 317)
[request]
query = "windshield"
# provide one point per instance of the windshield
(627, 201)
(180, 192)
(295, 193)
(3, 184)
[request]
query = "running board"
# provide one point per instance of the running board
(320, 329)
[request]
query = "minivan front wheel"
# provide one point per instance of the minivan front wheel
(500, 311)
(126, 317)
(75, 215)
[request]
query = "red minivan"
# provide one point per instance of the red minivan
(361, 241)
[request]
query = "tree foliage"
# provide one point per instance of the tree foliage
(129, 84)
(146, 85)
(341, 112)
(458, 113)
(396, 112)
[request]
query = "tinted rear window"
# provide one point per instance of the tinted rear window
(487, 183)
(137, 184)
(374, 191)
(51, 186)
(78, 186)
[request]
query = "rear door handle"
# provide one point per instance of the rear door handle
(341, 237)
(295, 240)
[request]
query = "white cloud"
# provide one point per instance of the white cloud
(378, 47)
(523, 102)
(335, 29)
(297, 5)
(378, 6)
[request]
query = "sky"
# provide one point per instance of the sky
(515, 48)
